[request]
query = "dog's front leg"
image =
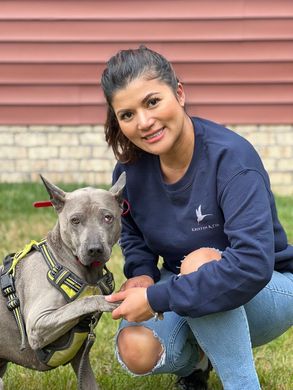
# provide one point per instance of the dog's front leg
(45, 326)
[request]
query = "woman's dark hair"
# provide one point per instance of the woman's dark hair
(121, 69)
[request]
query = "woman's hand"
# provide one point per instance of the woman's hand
(137, 281)
(134, 306)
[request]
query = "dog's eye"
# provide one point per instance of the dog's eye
(108, 218)
(75, 221)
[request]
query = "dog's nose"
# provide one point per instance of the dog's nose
(95, 251)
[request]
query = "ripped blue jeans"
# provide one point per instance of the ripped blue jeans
(226, 338)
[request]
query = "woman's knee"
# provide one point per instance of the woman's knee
(197, 258)
(139, 349)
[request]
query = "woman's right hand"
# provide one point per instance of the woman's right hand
(137, 281)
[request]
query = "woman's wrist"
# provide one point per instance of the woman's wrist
(157, 316)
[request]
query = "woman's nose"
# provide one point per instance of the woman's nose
(144, 120)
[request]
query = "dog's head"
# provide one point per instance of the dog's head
(89, 220)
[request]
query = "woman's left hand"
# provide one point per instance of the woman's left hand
(134, 306)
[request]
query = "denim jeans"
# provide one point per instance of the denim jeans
(227, 338)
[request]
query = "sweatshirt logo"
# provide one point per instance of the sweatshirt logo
(199, 215)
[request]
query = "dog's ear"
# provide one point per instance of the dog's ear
(117, 188)
(57, 196)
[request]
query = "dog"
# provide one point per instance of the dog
(47, 285)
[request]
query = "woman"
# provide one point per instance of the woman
(199, 198)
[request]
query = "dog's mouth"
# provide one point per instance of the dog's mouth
(93, 264)
(96, 264)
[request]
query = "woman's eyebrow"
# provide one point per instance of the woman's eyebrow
(145, 99)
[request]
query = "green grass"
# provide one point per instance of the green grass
(20, 222)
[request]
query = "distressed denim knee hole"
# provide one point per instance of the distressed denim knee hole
(160, 362)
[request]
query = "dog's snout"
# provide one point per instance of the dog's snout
(95, 251)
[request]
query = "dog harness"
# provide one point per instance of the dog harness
(71, 287)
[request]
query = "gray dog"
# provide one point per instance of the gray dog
(52, 291)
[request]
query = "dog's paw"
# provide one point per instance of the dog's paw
(103, 305)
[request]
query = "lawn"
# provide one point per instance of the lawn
(20, 222)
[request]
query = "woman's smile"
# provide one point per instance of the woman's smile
(154, 136)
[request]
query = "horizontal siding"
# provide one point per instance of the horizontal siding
(151, 9)
(178, 30)
(235, 57)
(197, 94)
(273, 51)
(200, 73)
(52, 115)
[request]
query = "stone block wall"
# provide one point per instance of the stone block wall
(275, 146)
(76, 154)
(79, 154)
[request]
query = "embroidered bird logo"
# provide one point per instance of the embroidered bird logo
(199, 215)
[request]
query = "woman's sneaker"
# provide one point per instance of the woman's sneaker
(198, 380)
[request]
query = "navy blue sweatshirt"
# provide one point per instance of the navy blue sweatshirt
(223, 201)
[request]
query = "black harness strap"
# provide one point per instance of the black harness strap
(9, 292)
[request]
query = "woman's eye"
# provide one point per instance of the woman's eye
(153, 102)
(75, 221)
(126, 116)
(108, 218)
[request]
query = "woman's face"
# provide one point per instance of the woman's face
(150, 115)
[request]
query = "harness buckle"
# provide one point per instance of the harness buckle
(93, 323)
(106, 283)
(13, 302)
(8, 291)
(91, 335)
(7, 284)
(55, 270)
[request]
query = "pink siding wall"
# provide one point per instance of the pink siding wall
(235, 57)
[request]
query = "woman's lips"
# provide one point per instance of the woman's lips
(154, 137)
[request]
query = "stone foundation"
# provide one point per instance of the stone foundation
(79, 154)
(65, 154)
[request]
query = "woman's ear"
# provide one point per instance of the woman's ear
(180, 95)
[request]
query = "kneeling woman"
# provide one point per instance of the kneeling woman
(199, 198)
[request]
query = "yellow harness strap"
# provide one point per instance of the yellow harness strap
(20, 255)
